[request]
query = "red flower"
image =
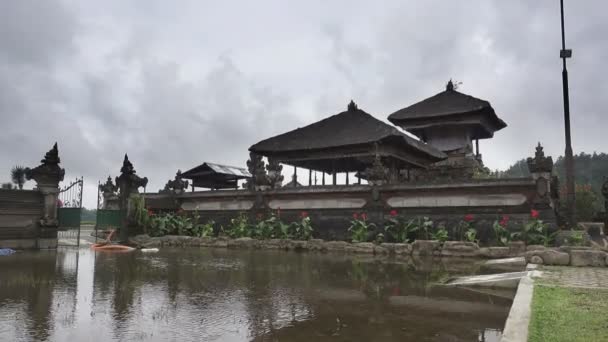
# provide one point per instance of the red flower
(303, 214)
(355, 216)
(363, 216)
(504, 221)
(150, 212)
(393, 213)
(469, 217)
(534, 213)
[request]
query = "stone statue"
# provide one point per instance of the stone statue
(108, 187)
(541, 168)
(47, 176)
(377, 174)
(274, 168)
(128, 183)
(540, 163)
(177, 185)
(259, 178)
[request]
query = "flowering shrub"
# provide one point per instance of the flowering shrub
(238, 227)
(501, 233)
(302, 229)
(400, 229)
(465, 230)
(441, 234)
(359, 227)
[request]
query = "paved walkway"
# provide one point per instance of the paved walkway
(582, 277)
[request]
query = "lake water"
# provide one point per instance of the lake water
(229, 295)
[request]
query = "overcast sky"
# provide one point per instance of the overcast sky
(176, 83)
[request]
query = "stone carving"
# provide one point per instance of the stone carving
(47, 176)
(274, 168)
(257, 169)
(540, 163)
(352, 106)
(377, 174)
(128, 183)
(108, 188)
(177, 185)
(541, 168)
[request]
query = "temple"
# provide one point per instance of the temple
(450, 121)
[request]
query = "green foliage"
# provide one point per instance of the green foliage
(424, 227)
(576, 238)
(301, 230)
(441, 234)
(266, 229)
(201, 229)
(239, 227)
(501, 233)
(141, 215)
(470, 235)
(18, 176)
(586, 203)
(400, 229)
(359, 228)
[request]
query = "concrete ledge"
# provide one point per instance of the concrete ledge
(516, 327)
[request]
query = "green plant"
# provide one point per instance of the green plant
(359, 228)
(302, 230)
(501, 233)
(441, 234)
(265, 229)
(400, 229)
(576, 238)
(464, 226)
(18, 176)
(535, 231)
(424, 226)
(470, 235)
(239, 227)
(141, 214)
(202, 229)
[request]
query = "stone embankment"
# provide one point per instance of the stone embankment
(565, 255)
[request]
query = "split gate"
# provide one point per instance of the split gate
(69, 210)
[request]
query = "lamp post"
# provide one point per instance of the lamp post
(570, 197)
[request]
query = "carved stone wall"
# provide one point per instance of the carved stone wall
(331, 207)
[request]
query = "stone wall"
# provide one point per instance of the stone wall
(331, 207)
(20, 211)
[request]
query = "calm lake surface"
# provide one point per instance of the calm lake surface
(228, 295)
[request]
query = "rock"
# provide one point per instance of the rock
(140, 239)
(273, 244)
(494, 252)
(360, 248)
(244, 242)
(517, 248)
(219, 243)
(535, 259)
(587, 257)
(607, 260)
(298, 245)
(381, 250)
(316, 245)
(460, 249)
(336, 246)
(403, 249)
(425, 247)
(548, 257)
(535, 248)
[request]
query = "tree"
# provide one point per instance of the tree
(18, 176)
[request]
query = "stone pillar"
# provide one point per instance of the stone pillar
(108, 191)
(128, 183)
(541, 168)
(47, 176)
(605, 194)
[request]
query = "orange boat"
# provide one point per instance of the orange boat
(109, 247)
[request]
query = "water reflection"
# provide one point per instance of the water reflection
(225, 295)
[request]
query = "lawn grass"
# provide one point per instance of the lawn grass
(568, 314)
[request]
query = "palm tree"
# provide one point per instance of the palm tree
(18, 176)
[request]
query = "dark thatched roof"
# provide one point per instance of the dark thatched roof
(351, 127)
(449, 107)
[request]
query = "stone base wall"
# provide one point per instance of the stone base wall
(20, 212)
(331, 208)
(573, 256)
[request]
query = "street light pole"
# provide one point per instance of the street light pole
(570, 196)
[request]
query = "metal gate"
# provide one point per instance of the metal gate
(69, 209)
(106, 219)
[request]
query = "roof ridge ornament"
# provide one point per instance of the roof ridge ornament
(352, 106)
(450, 85)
